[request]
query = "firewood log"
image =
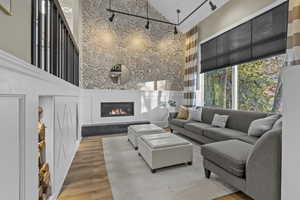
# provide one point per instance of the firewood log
(42, 146)
(41, 131)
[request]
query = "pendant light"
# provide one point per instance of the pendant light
(148, 22)
(175, 27)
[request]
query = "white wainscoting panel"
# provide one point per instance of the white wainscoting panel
(10, 166)
(31, 85)
(65, 137)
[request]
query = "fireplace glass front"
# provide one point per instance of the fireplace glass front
(117, 109)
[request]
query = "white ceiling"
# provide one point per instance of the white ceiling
(168, 9)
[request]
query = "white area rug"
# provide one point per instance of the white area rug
(131, 179)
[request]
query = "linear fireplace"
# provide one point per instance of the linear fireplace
(117, 109)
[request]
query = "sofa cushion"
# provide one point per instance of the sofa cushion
(220, 121)
(183, 113)
(221, 134)
(195, 114)
(238, 119)
(179, 122)
(278, 124)
(170, 141)
(248, 139)
(197, 127)
(230, 155)
(260, 126)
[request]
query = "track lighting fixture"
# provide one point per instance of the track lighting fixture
(147, 25)
(212, 6)
(111, 19)
(150, 19)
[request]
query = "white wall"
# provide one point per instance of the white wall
(10, 154)
(16, 30)
(148, 105)
(19, 81)
(291, 136)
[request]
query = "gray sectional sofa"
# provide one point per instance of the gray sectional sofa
(250, 164)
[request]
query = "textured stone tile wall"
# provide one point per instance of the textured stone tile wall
(150, 55)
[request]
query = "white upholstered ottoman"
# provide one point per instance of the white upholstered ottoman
(135, 131)
(165, 150)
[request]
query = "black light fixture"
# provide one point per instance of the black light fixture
(212, 6)
(111, 19)
(147, 25)
(175, 28)
(148, 22)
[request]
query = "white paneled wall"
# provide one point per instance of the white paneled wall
(10, 126)
(65, 135)
(23, 88)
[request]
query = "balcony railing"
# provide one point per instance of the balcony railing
(54, 48)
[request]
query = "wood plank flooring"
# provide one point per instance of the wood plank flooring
(87, 178)
(236, 196)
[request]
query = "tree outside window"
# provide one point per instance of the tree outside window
(256, 85)
(218, 88)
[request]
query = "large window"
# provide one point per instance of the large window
(258, 44)
(218, 88)
(254, 88)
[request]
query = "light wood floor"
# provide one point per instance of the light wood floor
(88, 180)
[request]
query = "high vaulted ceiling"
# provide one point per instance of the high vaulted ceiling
(168, 9)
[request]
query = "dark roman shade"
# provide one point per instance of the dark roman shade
(260, 37)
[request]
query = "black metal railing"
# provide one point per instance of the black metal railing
(54, 48)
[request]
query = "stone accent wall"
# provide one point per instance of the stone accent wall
(150, 55)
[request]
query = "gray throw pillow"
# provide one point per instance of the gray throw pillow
(219, 121)
(195, 114)
(278, 124)
(260, 126)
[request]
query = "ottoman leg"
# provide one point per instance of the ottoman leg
(207, 173)
(153, 171)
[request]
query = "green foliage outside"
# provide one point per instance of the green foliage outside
(257, 83)
(218, 88)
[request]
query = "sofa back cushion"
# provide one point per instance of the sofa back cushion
(260, 126)
(238, 119)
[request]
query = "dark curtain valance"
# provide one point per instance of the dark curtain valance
(260, 37)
